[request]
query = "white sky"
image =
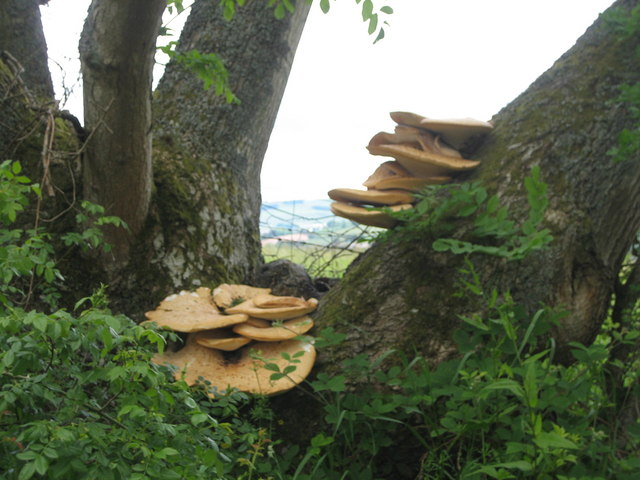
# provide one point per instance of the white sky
(454, 58)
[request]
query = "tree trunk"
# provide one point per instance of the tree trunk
(205, 205)
(401, 296)
(204, 222)
(26, 83)
(117, 51)
(21, 35)
(29, 132)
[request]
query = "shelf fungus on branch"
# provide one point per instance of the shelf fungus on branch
(285, 309)
(192, 312)
(226, 356)
(244, 369)
(366, 215)
(425, 152)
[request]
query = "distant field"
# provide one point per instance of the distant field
(318, 261)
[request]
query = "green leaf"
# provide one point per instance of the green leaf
(27, 471)
(367, 10)
(321, 440)
(199, 418)
(279, 11)
(505, 384)
(380, 35)
(386, 9)
(272, 366)
(167, 452)
(50, 453)
(373, 23)
(467, 210)
(325, 6)
(289, 369)
(530, 384)
(26, 455)
(553, 440)
(476, 322)
(41, 464)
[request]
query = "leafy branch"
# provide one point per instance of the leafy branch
(440, 209)
(369, 15)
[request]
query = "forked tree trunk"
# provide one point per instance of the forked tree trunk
(204, 222)
(202, 226)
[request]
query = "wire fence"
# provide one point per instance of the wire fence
(314, 238)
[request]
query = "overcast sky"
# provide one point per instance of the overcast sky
(441, 59)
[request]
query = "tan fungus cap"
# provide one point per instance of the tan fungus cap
(225, 295)
(244, 372)
(221, 339)
(388, 169)
(191, 312)
(456, 131)
(412, 184)
(278, 313)
(421, 163)
(370, 197)
(407, 118)
(289, 329)
(258, 322)
(374, 218)
(277, 301)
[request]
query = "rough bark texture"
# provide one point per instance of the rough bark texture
(30, 131)
(26, 83)
(204, 213)
(22, 36)
(117, 51)
(400, 296)
(203, 226)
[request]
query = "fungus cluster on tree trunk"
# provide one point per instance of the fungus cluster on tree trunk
(236, 336)
(425, 151)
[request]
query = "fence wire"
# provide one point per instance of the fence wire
(324, 244)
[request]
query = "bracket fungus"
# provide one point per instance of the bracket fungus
(226, 295)
(289, 307)
(425, 152)
(245, 370)
(192, 312)
(226, 356)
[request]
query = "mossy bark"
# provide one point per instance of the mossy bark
(117, 50)
(402, 296)
(405, 296)
(203, 226)
(21, 36)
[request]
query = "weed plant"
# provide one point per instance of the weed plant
(80, 397)
(502, 408)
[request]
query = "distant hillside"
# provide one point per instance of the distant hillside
(294, 216)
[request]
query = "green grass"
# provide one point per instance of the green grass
(318, 261)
